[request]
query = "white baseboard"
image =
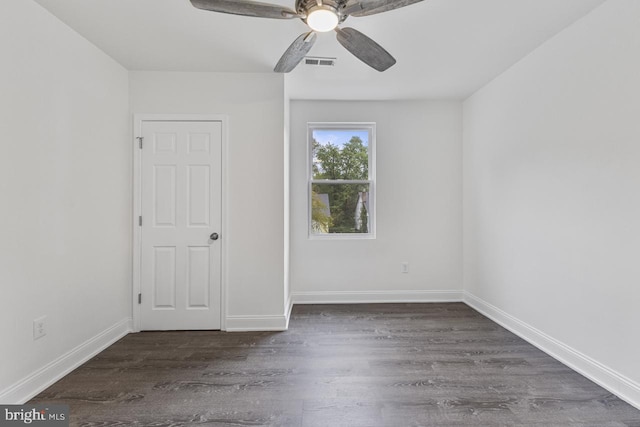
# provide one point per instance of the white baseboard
(30, 386)
(257, 323)
(362, 297)
(623, 387)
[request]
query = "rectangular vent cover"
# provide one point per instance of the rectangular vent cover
(319, 61)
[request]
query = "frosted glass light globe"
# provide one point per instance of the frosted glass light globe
(322, 19)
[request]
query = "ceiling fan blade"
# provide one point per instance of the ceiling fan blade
(294, 53)
(246, 8)
(365, 49)
(371, 7)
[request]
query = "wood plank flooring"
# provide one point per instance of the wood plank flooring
(338, 365)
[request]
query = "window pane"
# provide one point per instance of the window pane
(340, 154)
(339, 208)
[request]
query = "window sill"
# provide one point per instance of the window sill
(342, 236)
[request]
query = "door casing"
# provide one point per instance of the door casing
(138, 120)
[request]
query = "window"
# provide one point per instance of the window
(341, 180)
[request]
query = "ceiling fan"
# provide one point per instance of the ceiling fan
(320, 16)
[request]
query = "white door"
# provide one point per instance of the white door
(181, 219)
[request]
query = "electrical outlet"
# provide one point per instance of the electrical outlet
(39, 327)
(404, 267)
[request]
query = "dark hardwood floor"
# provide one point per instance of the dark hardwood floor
(338, 365)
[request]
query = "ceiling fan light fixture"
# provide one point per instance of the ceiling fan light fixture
(322, 18)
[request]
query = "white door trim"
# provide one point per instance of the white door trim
(138, 119)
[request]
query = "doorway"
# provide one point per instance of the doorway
(178, 228)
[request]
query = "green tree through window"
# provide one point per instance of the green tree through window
(340, 180)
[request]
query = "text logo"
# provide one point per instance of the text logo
(34, 415)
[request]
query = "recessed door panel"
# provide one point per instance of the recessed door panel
(198, 277)
(164, 185)
(199, 143)
(198, 195)
(164, 278)
(164, 143)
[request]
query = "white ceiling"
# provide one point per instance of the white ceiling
(444, 48)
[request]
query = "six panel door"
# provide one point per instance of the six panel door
(181, 209)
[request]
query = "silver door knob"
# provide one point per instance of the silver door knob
(214, 236)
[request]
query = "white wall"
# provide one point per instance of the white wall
(255, 170)
(64, 194)
(551, 195)
(418, 206)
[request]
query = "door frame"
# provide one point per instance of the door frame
(136, 284)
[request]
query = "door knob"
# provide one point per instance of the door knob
(214, 236)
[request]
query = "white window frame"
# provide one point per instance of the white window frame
(371, 128)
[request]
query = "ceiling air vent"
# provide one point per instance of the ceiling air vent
(319, 61)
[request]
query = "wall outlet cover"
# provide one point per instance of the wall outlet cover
(39, 327)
